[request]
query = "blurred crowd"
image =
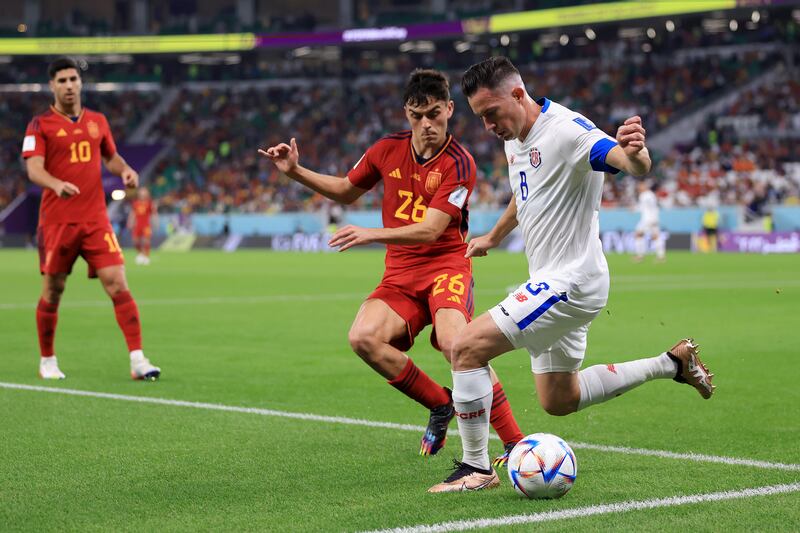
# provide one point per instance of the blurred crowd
(743, 154)
(214, 166)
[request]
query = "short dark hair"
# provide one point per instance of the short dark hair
(489, 73)
(424, 84)
(62, 63)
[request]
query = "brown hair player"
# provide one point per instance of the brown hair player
(64, 148)
(427, 179)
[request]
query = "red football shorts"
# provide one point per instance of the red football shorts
(61, 244)
(417, 293)
(141, 232)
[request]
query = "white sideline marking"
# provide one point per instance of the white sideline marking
(700, 458)
(215, 407)
(593, 510)
(210, 300)
(204, 300)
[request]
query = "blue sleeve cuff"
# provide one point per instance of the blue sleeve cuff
(597, 157)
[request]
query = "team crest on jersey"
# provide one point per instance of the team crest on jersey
(94, 129)
(433, 181)
(536, 157)
(511, 159)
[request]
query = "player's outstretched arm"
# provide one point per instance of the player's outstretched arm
(425, 232)
(480, 246)
(41, 177)
(631, 154)
(287, 159)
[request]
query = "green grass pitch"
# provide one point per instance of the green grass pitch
(268, 330)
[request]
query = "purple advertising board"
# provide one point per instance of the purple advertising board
(784, 242)
(433, 30)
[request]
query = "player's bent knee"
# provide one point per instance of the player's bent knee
(364, 343)
(52, 297)
(113, 289)
(559, 406)
(53, 290)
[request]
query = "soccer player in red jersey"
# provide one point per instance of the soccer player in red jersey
(141, 222)
(63, 148)
(427, 179)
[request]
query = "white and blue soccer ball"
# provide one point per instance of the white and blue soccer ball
(542, 466)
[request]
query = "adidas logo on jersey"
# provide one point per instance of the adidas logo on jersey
(61, 133)
(396, 174)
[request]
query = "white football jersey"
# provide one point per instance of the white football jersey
(556, 176)
(648, 207)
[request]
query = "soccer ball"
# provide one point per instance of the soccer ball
(542, 466)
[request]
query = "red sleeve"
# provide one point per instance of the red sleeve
(107, 145)
(33, 143)
(365, 174)
(457, 184)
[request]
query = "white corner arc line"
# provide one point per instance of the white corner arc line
(701, 458)
(593, 510)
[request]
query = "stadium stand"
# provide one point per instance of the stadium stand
(744, 154)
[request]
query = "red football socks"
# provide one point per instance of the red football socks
(46, 320)
(128, 319)
(501, 417)
(416, 384)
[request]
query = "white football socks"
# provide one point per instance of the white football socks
(472, 398)
(602, 382)
(640, 245)
(661, 247)
(137, 356)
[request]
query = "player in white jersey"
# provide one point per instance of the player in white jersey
(648, 224)
(556, 160)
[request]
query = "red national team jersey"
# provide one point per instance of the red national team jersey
(411, 186)
(142, 211)
(73, 152)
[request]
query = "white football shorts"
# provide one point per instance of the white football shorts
(544, 321)
(648, 225)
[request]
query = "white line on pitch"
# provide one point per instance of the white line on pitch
(593, 510)
(701, 458)
(498, 293)
(202, 300)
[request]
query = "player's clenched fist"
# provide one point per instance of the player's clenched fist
(631, 135)
(285, 156)
(129, 177)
